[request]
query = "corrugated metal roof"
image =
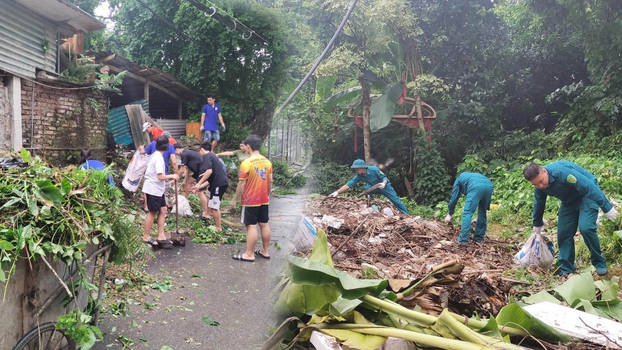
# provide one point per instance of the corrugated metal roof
(62, 11)
(177, 127)
(155, 75)
(119, 123)
(23, 37)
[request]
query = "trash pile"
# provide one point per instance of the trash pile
(368, 238)
(316, 296)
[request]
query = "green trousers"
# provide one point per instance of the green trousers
(478, 198)
(581, 214)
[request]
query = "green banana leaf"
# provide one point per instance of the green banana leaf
(342, 306)
(383, 107)
(514, 316)
(323, 87)
(308, 272)
(540, 297)
(340, 97)
(576, 288)
(298, 299)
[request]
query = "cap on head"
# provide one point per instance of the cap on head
(146, 126)
(359, 164)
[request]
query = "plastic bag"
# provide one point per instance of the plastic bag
(536, 252)
(184, 206)
(135, 171)
(12, 163)
(305, 236)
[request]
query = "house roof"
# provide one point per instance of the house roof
(157, 78)
(67, 16)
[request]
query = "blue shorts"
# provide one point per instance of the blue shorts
(211, 135)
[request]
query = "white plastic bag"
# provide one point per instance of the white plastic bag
(135, 171)
(184, 206)
(535, 252)
(305, 236)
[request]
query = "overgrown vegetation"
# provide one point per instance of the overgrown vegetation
(55, 214)
(284, 178)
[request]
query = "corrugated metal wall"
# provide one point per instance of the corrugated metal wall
(23, 37)
(119, 123)
(177, 127)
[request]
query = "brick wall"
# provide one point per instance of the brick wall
(64, 119)
(5, 118)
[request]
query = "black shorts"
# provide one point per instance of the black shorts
(154, 203)
(215, 195)
(254, 215)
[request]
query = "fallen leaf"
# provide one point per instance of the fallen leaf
(208, 321)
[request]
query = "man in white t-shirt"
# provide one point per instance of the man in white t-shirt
(154, 186)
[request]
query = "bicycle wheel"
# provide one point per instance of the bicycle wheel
(45, 337)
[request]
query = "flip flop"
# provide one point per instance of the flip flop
(166, 244)
(200, 216)
(241, 257)
(152, 242)
(258, 252)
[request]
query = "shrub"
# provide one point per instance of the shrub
(331, 176)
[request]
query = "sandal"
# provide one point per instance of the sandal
(152, 242)
(241, 257)
(258, 252)
(166, 244)
(200, 216)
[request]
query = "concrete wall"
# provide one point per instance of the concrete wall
(38, 285)
(5, 117)
(64, 122)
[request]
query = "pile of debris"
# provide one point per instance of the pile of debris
(369, 239)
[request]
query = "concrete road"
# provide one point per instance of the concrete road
(232, 293)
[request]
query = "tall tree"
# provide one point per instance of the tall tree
(210, 57)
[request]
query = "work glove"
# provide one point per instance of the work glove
(447, 218)
(223, 128)
(202, 128)
(612, 214)
(334, 194)
(381, 185)
(537, 229)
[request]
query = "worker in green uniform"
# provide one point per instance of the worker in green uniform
(581, 197)
(372, 176)
(478, 191)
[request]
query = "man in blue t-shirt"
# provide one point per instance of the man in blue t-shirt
(169, 155)
(210, 114)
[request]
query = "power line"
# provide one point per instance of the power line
(319, 59)
(213, 12)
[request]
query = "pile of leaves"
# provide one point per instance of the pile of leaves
(51, 213)
(406, 248)
(362, 313)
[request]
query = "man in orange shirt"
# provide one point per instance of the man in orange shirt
(157, 132)
(255, 186)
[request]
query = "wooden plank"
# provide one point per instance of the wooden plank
(146, 90)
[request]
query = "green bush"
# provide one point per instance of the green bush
(431, 177)
(283, 177)
(331, 176)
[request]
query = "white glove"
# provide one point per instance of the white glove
(334, 194)
(202, 128)
(612, 214)
(447, 218)
(537, 229)
(381, 185)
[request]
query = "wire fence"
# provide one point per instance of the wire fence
(287, 142)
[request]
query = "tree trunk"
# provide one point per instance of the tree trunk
(366, 121)
(419, 112)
